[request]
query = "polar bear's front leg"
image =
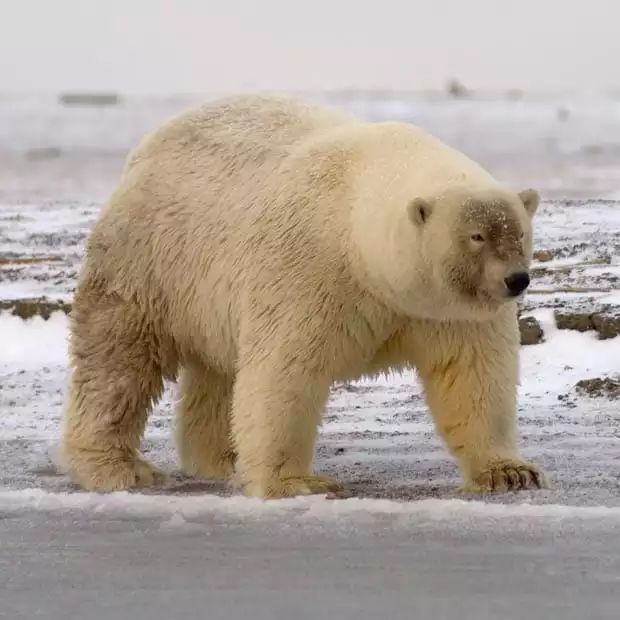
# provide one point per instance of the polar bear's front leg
(275, 414)
(470, 375)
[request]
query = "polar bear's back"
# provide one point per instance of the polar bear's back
(259, 128)
(230, 151)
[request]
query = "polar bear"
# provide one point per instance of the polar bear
(264, 248)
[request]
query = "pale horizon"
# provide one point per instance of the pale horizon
(188, 46)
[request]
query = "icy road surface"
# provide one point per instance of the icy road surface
(312, 559)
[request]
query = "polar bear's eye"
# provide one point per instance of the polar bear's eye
(522, 235)
(478, 238)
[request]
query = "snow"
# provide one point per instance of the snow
(34, 342)
(178, 510)
(552, 367)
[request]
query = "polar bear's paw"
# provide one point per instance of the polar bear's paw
(113, 470)
(506, 475)
(294, 485)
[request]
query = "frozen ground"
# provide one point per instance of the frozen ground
(134, 558)
(407, 544)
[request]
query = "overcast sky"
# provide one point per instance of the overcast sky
(242, 45)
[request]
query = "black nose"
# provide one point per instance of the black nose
(517, 282)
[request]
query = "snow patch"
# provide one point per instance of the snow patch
(32, 343)
(566, 356)
(177, 510)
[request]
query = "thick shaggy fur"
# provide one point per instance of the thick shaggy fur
(264, 248)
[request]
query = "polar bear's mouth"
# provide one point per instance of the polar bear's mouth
(488, 280)
(472, 288)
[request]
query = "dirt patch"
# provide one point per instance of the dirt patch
(28, 260)
(606, 324)
(599, 387)
(538, 272)
(28, 308)
(579, 321)
(570, 289)
(605, 320)
(531, 331)
(543, 255)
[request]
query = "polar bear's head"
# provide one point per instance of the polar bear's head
(479, 244)
(458, 254)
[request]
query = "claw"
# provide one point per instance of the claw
(506, 475)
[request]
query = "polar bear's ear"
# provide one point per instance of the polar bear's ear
(530, 200)
(419, 210)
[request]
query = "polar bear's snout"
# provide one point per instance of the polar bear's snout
(517, 282)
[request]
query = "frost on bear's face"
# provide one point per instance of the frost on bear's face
(488, 257)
